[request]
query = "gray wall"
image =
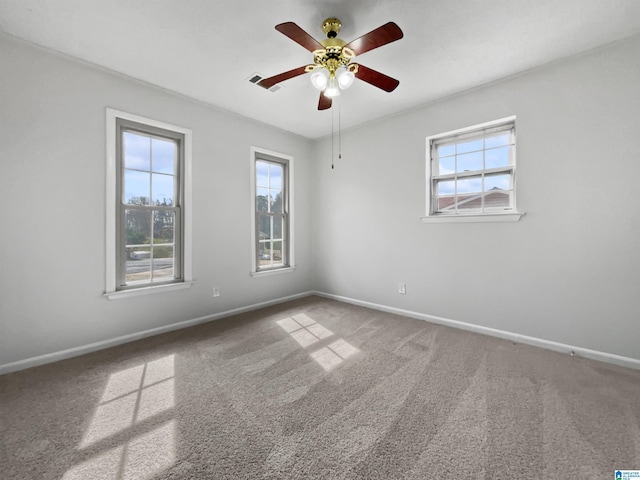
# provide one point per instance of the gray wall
(568, 272)
(52, 208)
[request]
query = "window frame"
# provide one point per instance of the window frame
(480, 131)
(288, 261)
(117, 123)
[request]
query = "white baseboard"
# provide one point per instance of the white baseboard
(93, 347)
(536, 342)
(515, 337)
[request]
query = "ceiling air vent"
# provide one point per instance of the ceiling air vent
(255, 79)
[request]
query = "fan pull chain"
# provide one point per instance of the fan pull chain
(332, 135)
(339, 131)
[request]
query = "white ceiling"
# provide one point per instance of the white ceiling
(207, 49)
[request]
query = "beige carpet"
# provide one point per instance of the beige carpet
(317, 389)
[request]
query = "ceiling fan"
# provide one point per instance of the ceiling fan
(332, 69)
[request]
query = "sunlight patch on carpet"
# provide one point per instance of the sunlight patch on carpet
(306, 331)
(334, 354)
(141, 458)
(132, 396)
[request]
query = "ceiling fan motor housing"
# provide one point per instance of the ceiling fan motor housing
(331, 27)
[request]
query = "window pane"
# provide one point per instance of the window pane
(497, 140)
(277, 252)
(136, 151)
(275, 174)
(163, 263)
(276, 201)
(162, 188)
(265, 227)
(446, 203)
(470, 185)
(498, 157)
(277, 227)
(164, 154)
(138, 268)
(469, 162)
(445, 187)
(262, 174)
(446, 165)
(501, 181)
(260, 249)
(470, 202)
(163, 227)
(136, 188)
(471, 146)
(446, 150)
(262, 200)
(497, 199)
(264, 254)
(137, 227)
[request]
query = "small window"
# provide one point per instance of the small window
(150, 234)
(271, 211)
(472, 171)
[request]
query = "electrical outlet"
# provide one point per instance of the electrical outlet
(402, 288)
(216, 292)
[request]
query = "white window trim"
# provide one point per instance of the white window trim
(476, 218)
(483, 217)
(111, 178)
(254, 151)
(273, 271)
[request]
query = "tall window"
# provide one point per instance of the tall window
(473, 170)
(149, 233)
(271, 211)
(149, 160)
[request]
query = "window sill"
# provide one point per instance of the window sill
(275, 271)
(478, 218)
(136, 292)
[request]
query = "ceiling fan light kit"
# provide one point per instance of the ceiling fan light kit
(332, 69)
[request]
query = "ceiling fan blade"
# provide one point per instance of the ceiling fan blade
(377, 79)
(271, 81)
(387, 33)
(324, 102)
(298, 35)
